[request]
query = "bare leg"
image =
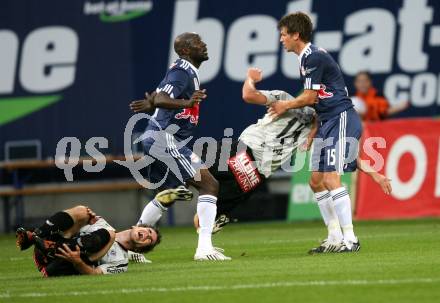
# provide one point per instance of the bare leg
(81, 216)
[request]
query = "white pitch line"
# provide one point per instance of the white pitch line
(7, 295)
(392, 235)
(17, 258)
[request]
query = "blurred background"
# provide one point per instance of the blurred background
(70, 69)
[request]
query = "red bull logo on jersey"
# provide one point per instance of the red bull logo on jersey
(191, 113)
(323, 94)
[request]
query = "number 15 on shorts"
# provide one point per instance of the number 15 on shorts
(331, 159)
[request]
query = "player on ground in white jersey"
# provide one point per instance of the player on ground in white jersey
(76, 241)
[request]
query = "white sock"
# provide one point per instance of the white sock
(334, 232)
(206, 210)
(322, 198)
(325, 204)
(152, 213)
(342, 206)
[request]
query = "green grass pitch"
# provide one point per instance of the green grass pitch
(399, 262)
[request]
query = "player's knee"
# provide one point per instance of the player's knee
(210, 186)
(331, 182)
(78, 212)
(315, 185)
(214, 186)
(81, 209)
(316, 182)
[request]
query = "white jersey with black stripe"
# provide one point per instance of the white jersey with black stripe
(273, 141)
(116, 258)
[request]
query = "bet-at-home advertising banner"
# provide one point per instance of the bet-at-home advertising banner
(70, 68)
(302, 203)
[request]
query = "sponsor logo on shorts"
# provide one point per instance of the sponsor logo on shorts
(244, 171)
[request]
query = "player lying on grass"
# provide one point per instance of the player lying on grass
(76, 241)
(270, 142)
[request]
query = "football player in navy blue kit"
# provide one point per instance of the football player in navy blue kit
(176, 102)
(338, 125)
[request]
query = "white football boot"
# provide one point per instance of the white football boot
(350, 246)
(327, 246)
(213, 254)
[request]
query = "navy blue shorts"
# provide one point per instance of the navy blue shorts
(336, 144)
(174, 163)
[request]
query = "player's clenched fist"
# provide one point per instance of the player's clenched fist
(255, 74)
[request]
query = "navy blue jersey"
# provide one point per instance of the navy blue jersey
(180, 82)
(320, 72)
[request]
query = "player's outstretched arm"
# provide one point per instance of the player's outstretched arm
(144, 106)
(74, 257)
(307, 98)
(307, 144)
(163, 100)
(392, 110)
(380, 179)
(249, 93)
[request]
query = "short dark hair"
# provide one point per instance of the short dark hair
(298, 22)
(365, 73)
(148, 248)
(184, 41)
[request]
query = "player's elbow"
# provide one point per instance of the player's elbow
(254, 97)
(112, 234)
(248, 97)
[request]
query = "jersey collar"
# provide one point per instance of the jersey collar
(121, 245)
(303, 52)
(195, 69)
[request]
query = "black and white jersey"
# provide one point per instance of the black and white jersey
(273, 141)
(116, 259)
